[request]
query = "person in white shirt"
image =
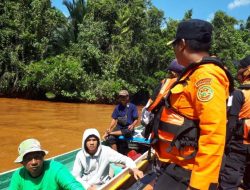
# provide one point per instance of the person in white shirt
(91, 166)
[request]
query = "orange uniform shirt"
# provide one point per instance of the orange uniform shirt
(245, 113)
(203, 97)
(245, 110)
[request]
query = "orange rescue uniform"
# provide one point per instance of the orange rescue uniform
(245, 114)
(201, 97)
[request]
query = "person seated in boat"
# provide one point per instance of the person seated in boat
(38, 173)
(92, 163)
(124, 120)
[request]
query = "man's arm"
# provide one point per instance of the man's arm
(112, 125)
(209, 99)
(67, 181)
(77, 167)
(238, 100)
(135, 118)
(113, 121)
(110, 131)
(15, 181)
(116, 157)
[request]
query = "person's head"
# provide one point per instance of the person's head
(31, 156)
(174, 69)
(123, 97)
(243, 73)
(91, 141)
(192, 41)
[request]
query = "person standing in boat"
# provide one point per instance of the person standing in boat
(189, 128)
(92, 163)
(173, 71)
(124, 120)
(237, 162)
(37, 173)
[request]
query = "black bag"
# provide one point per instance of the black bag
(122, 120)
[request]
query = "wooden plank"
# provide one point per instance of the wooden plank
(123, 177)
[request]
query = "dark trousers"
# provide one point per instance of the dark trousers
(236, 169)
(172, 176)
(122, 146)
(112, 139)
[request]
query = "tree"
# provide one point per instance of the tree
(228, 41)
(26, 36)
(104, 46)
(77, 10)
(248, 23)
(188, 14)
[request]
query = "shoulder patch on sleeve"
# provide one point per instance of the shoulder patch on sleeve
(205, 81)
(205, 93)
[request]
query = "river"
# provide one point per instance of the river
(58, 126)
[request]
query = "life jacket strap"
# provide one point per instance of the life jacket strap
(186, 136)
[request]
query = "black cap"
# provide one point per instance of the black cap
(194, 29)
(175, 67)
(244, 62)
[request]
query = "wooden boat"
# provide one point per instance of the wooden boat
(122, 180)
(125, 179)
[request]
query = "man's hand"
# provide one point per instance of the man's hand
(138, 174)
(106, 134)
(131, 127)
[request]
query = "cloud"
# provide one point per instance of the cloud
(238, 3)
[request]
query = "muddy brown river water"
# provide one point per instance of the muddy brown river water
(58, 126)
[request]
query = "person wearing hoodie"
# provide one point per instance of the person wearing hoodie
(91, 166)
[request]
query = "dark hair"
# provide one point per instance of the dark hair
(245, 62)
(196, 45)
(98, 142)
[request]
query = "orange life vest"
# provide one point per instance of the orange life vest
(166, 85)
(154, 104)
(244, 115)
(173, 132)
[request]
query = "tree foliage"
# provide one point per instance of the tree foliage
(77, 10)
(102, 47)
(26, 35)
(229, 44)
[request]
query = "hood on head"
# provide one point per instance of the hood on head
(86, 134)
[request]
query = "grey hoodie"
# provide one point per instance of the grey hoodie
(93, 170)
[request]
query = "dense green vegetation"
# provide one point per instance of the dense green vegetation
(104, 46)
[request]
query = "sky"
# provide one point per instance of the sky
(202, 9)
